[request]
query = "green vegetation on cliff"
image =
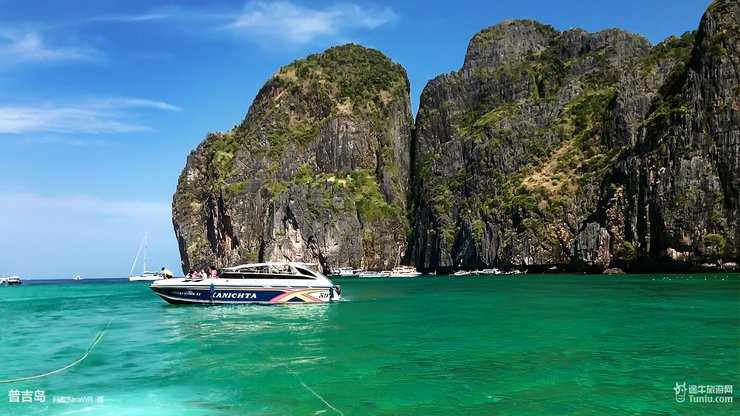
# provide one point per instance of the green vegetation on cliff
(346, 80)
(548, 163)
(669, 104)
(537, 123)
(332, 131)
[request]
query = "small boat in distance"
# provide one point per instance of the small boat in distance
(404, 271)
(145, 276)
(346, 272)
(265, 283)
(10, 281)
(371, 274)
(488, 272)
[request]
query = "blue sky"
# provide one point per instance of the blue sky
(102, 101)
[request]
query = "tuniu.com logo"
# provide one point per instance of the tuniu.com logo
(680, 390)
(704, 393)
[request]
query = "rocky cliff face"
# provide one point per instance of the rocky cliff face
(678, 189)
(547, 149)
(581, 150)
(317, 171)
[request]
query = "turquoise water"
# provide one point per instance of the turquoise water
(534, 344)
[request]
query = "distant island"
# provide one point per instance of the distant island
(547, 150)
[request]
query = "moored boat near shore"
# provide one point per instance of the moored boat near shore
(488, 272)
(371, 274)
(345, 272)
(266, 283)
(404, 271)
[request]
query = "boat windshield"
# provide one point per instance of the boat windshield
(304, 272)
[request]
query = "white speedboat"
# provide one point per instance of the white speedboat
(267, 283)
(10, 281)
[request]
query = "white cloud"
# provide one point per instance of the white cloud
(133, 18)
(300, 25)
(64, 235)
(57, 208)
(97, 116)
(174, 14)
(144, 103)
(63, 120)
(58, 139)
(270, 21)
(17, 47)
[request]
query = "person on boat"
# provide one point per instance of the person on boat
(214, 273)
(167, 273)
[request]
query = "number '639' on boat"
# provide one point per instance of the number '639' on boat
(267, 283)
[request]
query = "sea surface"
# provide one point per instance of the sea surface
(503, 345)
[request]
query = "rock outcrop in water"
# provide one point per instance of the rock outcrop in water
(582, 150)
(316, 172)
(547, 149)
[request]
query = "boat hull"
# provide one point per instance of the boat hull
(243, 295)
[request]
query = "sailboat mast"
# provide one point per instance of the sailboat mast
(145, 244)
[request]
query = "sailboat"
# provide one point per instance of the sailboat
(145, 276)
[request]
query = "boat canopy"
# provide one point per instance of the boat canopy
(269, 264)
(274, 268)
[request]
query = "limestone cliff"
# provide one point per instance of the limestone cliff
(547, 149)
(317, 171)
(677, 188)
(581, 150)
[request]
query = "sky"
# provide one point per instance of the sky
(102, 101)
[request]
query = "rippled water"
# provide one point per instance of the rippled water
(534, 344)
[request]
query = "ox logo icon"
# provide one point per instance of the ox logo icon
(680, 390)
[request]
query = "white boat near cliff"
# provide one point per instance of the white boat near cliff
(399, 271)
(485, 272)
(367, 274)
(404, 271)
(345, 272)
